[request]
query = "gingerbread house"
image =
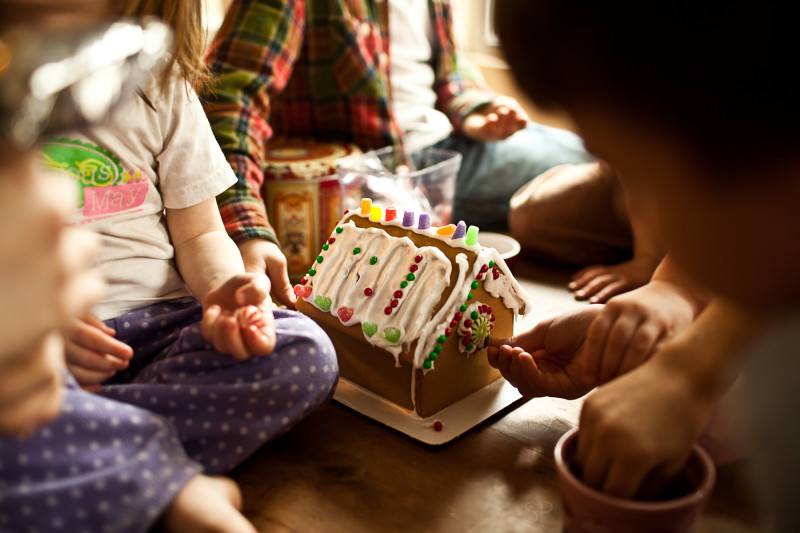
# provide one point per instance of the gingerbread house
(409, 307)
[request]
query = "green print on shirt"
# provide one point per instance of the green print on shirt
(106, 187)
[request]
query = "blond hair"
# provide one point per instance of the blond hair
(185, 17)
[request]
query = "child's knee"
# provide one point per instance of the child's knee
(308, 342)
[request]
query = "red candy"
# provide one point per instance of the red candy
(345, 313)
(303, 281)
(393, 303)
(398, 294)
(418, 258)
(446, 332)
(413, 268)
(437, 426)
(331, 240)
(302, 291)
(387, 311)
(367, 292)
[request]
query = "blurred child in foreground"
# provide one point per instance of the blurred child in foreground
(693, 105)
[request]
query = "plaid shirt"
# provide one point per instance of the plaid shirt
(314, 69)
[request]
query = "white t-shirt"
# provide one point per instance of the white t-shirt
(147, 158)
(412, 74)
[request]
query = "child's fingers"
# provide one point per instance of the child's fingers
(595, 343)
(87, 377)
(640, 347)
(584, 276)
(94, 361)
(257, 341)
(619, 336)
(612, 289)
(254, 292)
(97, 340)
(594, 285)
(229, 340)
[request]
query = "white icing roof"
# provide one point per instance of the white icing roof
(391, 286)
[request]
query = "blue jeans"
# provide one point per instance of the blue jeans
(491, 172)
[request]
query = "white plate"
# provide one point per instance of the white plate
(506, 246)
(454, 420)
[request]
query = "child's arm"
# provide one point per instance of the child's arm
(212, 267)
(637, 431)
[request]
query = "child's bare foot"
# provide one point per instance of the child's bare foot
(207, 505)
(599, 283)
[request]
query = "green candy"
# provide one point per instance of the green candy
(403, 284)
(474, 284)
(410, 277)
(339, 229)
(442, 339)
(432, 356)
(325, 246)
(323, 302)
(427, 365)
(473, 315)
(369, 328)
(391, 334)
(319, 259)
(437, 349)
(356, 250)
(311, 272)
(373, 260)
(462, 308)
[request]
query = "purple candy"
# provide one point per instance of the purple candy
(408, 219)
(424, 221)
(461, 230)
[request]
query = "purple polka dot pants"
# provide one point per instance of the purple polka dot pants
(114, 461)
(101, 466)
(223, 409)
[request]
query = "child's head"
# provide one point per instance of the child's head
(694, 103)
(186, 19)
(184, 16)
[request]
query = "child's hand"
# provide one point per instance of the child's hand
(637, 431)
(495, 121)
(230, 321)
(262, 256)
(31, 385)
(93, 354)
(630, 327)
(546, 360)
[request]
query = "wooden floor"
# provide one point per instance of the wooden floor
(338, 471)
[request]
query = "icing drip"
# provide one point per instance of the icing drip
(363, 290)
(503, 286)
(436, 327)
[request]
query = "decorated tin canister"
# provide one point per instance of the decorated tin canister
(303, 196)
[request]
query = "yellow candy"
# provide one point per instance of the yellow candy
(376, 214)
(366, 206)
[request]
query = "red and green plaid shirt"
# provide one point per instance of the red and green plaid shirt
(314, 69)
